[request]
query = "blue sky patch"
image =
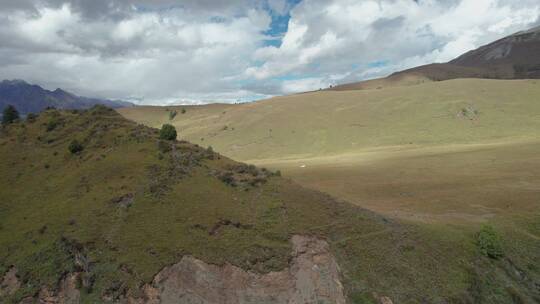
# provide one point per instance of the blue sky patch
(378, 63)
(280, 24)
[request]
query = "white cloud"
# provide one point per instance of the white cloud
(304, 85)
(214, 50)
(329, 36)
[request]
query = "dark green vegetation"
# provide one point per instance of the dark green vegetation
(9, 115)
(129, 208)
(167, 132)
(489, 242)
(31, 117)
(75, 147)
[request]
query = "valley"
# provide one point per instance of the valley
(442, 151)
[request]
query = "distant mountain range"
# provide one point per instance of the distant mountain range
(28, 98)
(514, 57)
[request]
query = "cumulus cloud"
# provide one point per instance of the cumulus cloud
(336, 36)
(193, 51)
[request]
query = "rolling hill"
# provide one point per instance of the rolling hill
(448, 156)
(514, 57)
(134, 219)
(333, 123)
(29, 98)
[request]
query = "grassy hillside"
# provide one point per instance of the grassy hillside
(459, 150)
(447, 157)
(128, 205)
(333, 123)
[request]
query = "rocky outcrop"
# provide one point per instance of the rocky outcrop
(313, 277)
(66, 293)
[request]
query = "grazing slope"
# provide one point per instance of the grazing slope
(514, 57)
(29, 98)
(106, 224)
(334, 123)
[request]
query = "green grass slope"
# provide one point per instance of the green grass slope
(129, 205)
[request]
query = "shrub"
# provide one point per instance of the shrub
(75, 147)
(31, 117)
(167, 132)
(183, 111)
(210, 152)
(10, 115)
(52, 124)
(489, 242)
(172, 114)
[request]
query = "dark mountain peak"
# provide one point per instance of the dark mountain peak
(534, 30)
(29, 98)
(521, 50)
(60, 92)
(14, 82)
(513, 57)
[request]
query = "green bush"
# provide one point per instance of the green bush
(10, 115)
(75, 147)
(183, 111)
(167, 132)
(31, 117)
(489, 242)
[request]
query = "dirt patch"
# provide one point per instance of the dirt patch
(10, 283)
(124, 200)
(313, 277)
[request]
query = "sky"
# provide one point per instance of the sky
(200, 51)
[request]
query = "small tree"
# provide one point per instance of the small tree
(10, 115)
(183, 111)
(75, 147)
(167, 132)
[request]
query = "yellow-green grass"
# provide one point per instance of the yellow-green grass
(333, 123)
(453, 183)
(56, 205)
(437, 151)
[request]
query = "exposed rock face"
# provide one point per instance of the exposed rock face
(67, 292)
(313, 277)
(385, 300)
(10, 283)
